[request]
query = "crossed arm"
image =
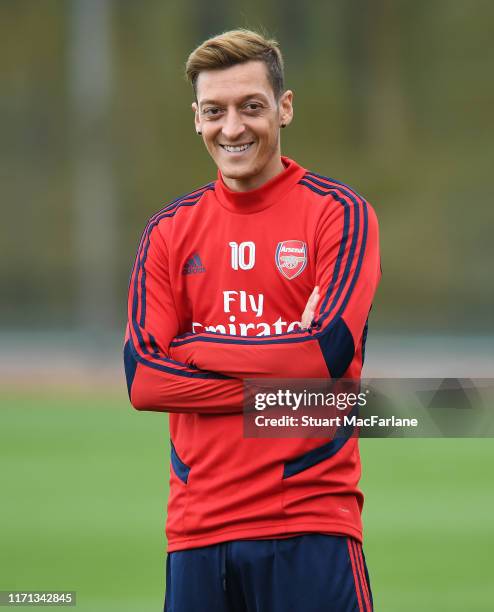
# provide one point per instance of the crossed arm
(204, 372)
(347, 274)
(155, 381)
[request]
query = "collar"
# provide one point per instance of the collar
(255, 200)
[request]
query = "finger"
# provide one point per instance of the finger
(313, 300)
(315, 296)
(315, 292)
(310, 307)
(306, 317)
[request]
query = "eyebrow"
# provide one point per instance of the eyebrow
(240, 100)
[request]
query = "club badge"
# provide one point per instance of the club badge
(291, 258)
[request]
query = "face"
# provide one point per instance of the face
(240, 121)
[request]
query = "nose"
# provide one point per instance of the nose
(233, 126)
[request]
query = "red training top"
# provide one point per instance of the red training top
(216, 295)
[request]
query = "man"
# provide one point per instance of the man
(221, 278)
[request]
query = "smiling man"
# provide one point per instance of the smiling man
(243, 136)
(269, 271)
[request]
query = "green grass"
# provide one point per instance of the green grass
(429, 528)
(84, 480)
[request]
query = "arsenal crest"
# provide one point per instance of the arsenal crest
(291, 258)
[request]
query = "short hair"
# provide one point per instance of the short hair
(236, 47)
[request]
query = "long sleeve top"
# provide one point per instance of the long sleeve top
(218, 287)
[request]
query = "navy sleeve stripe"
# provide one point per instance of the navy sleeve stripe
(166, 208)
(141, 270)
(355, 199)
(187, 373)
(231, 339)
(168, 212)
(344, 303)
(172, 366)
(332, 181)
(342, 249)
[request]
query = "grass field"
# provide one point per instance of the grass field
(84, 481)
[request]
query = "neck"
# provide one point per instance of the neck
(274, 167)
(270, 193)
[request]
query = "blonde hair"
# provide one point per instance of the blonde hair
(237, 47)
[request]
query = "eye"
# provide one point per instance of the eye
(211, 111)
(253, 106)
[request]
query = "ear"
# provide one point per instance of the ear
(197, 119)
(285, 106)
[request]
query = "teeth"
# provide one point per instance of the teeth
(238, 149)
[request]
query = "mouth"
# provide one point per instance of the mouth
(236, 148)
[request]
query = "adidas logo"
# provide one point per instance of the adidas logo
(193, 265)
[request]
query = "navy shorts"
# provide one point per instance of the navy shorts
(308, 573)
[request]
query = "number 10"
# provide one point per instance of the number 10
(243, 255)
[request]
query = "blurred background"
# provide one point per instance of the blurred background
(393, 97)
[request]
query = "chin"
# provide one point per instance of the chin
(237, 174)
(234, 172)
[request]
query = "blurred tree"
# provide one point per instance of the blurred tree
(372, 36)
(393, 98)
(211, 18)
(386, 124)
(90, 69)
